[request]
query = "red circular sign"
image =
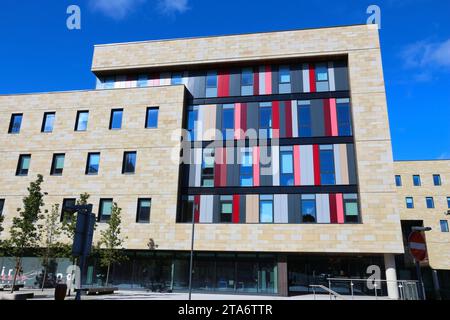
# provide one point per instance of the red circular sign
(417, 246)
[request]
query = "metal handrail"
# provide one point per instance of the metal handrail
(375, 280)
(331, 292)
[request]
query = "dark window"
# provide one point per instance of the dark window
(247, 82)
(151, 121)
(187, 209)
(448, 202)
(105, 210)
(15, 123)
(409, 203)
(228, 121)
(398, 181)
(266, 209)
(81, 122)
(321, 77)
(24, 165)
(437, 179)
(286, 168)
(177, 78)
(143, 210)
(142, 80)
(93, 163)
(444, 226)
(416, 181)
(207, 178)
(211, 84)
(265, 120)
(68, 202)
(48, 122)
(344, 118)
(247, 168)
(308, 207)
(2, 205)
(430, 202)
(129, 162)
(284, 78)
(327, 174)
(109, 82)
(57, 164)
(192, 119)
(115, 122)
(351, 211)
(226, 209)
(304, 119)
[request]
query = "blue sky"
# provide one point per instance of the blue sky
(38, 53)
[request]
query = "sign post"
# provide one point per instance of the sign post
(418, 249)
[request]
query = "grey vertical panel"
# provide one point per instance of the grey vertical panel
(317, 118)
(351, 164)
(297, 78)
(236, 169)
(266, 179)
(252, 116)
(219, 111)
(282, 119)
(341, 76)
(199, 84)
(235, 82)
(230, 160)
(242, 207)
(191, 167)
(216, 204)
(294, 208)
(275, 81)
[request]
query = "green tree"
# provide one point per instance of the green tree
(2, 246)
(25, 229)
(110, 243)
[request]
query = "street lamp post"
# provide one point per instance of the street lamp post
(421, 292)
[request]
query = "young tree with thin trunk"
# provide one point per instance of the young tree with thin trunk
(25, 229)
(110, 244)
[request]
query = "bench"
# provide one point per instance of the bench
(100, 290)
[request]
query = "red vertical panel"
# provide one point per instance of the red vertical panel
(196, 209)
(276, 119)
(223, 168)
(327, 117)
(256, 161)
(333, 209)
(243, 119)
(340, 208)
(333, 118)
(312, 77)
(256, 82)
(223, 85)
(316, 156)
(297, 165)
(288, 117)
(236, 208)
(268, 78)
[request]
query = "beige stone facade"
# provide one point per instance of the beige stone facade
(157, 177)
(438, 242)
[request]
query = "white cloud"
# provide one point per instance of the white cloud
(426, 54)
(116, 9)
(171, 7)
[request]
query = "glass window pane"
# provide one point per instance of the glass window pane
(285, 74)
(266, 211)
(247, 77)
(430, 203)
(177, 78)
(48, 122)
(82, 121)
(227, 208)
(26, 162)
(308, 210)
(327, 174)
(16, 122)
(287, 162)
(409, 203)
(304, 121)
(437, 179)
(129, 162)
(93, 163)
(228, 122)
(444, 226)
(416, 181)
(398, 181)
(344, 119)
(59, 162)
(351, 209)
(142, 80)
(116, 119)
(144, 210)
(106, 209)
(152, 118)
(211, 79)
(321, 72)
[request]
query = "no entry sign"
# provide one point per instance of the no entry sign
(417, 246)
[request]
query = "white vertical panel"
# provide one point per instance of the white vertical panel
(206, 206)
(281, 208)
(323, 208)
(337, 164)
(306, 86)
(262, 80)
(120, 82)
(200, 123)
(198, 166)
(276, 165)
(331, 76)
(294, 110)
(306, 166)
(165, 79)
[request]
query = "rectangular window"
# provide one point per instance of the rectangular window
(187, 209)
(266, 209)
(430, 202)
(2, 205)
(416, 181)
(444, 226)
(207, 178)
(448, 202)
(304, 119)
(247, 82)
(192, 119)
(129, 162)
(437, 179)
(284, 78)
(265, 120)
(105, 210)
(246, 168)
(57, 164)
(115, 122)
(48, 122)
(177, 78)
(351, 211)
(327, 170)
(151, 121)
(322, 77)
(109, 82)
(143, 210)
(409, 202)
(228, 121)
(67, 202)
(15, 123)
(308, 208)
(81, 122)
(344, 118)
(286, 166)
(226, 209)
(93, 163)
(23, 165)
(211, 84)
(398, 181)
(142, 80)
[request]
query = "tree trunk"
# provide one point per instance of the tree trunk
(43, 279)
(18, 265)
(107, 274)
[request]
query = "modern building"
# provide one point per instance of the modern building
(286, 160)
